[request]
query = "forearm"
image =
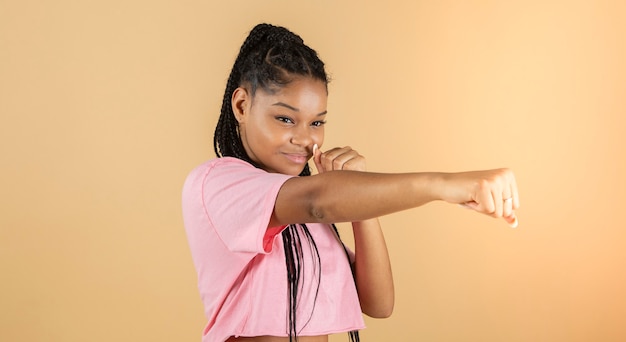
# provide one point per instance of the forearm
(349, 196)
(373, 276)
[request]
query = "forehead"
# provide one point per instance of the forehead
(304, 94)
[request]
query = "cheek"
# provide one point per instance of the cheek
(318, 137)
(271, 134)
(262, 129)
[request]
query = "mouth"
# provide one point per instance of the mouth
(297, 158)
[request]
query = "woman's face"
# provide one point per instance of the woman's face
(278, 130)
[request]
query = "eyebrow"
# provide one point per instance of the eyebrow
(282, 104)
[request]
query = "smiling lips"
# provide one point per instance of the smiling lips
(298, 158)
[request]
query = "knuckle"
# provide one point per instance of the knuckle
(483, 184)
(349, 165)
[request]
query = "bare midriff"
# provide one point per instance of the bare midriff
(323, 338)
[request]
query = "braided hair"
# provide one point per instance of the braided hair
(268, 59)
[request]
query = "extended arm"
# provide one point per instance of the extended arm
(348, 196)
(343, 192)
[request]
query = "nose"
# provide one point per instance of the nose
(301, 136)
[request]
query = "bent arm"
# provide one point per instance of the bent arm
(372, 270)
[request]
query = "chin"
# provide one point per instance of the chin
(294, 171)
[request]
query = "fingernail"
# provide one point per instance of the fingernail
(314, 148)
(515, 223)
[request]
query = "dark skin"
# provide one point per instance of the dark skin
(282, 130)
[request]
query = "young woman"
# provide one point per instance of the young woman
(270, 264)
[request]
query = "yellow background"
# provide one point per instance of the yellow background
(106, 106)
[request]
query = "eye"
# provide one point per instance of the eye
(284, 119)
(318, 123)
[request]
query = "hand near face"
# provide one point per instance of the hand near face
(338, 158)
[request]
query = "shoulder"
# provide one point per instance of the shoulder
(220, 163)
(217, 166)
(224, 165)
(228, 172)
(229, 176)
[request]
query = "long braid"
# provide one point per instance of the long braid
(227, 127)
(268, 59)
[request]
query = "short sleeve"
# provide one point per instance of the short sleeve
(239, 201)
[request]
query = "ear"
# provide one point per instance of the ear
(240, 103)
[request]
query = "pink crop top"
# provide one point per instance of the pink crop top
(242, 278)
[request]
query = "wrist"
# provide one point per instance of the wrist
(437, 186)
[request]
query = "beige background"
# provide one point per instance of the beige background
(106, 105)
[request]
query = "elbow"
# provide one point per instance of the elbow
(322, 212)
(382, 312)
(325, 205)
(316, 213)
(386, 313)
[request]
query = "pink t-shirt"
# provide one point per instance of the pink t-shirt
(227, 204)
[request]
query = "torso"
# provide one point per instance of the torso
(323, 338)
(235, 265)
